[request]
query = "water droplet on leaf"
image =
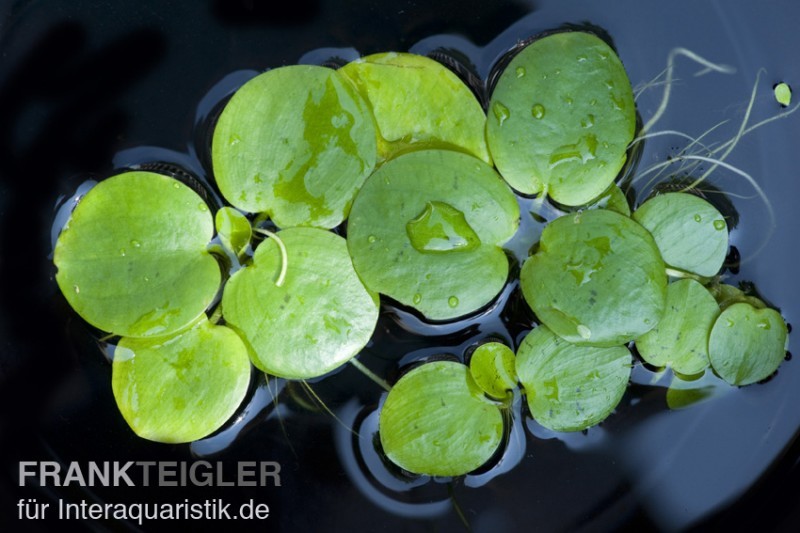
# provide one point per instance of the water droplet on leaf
(501, 112)
(452, 301)
(441, 228)
(538, 111)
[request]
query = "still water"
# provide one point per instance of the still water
(93, 89)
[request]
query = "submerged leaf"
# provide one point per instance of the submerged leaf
(180, 388)
(747, 344)
(436, 421)
(597, 279)
(132, 259)
(427, 225)
(418, 103)
(561, 118)
(690, 233)
(680, 340)
(571, 387)
(319, 317)
(296, 143)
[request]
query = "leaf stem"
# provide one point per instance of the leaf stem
(284, 254)
(370, 374)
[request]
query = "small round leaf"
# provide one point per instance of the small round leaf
(747, 344)
(180, 388)
(571, 387)
(132, 259)
(319, 317)
(597, 279)
(296, 143)
(690, 233)
(561, 118)
(234, 229)
(492, 368)
(426, 230)
(418, 102)
(680, 340)
(435, 421)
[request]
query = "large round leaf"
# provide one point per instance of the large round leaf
(436, 421)
(680, 339)
(747, 344)
(426, 230)
(180, 388)
(597, 278)
(315, 320)
(690, 233)
(296, 143)
(132, 259)
(571, 387)
(417, 102)
(561, 118)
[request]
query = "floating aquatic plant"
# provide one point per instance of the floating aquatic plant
(296, 143)
(561, 118)
(132, 258)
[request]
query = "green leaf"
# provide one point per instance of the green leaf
(561, 118)
(597, 279)
(492, 368)
(571, 387)
(612, 199)
(747, 344)
(309, 323)
(419, 103)
(132, 259)
(727, 295)
(183, 387)
(680, 340)
(690, 233)
(683, 393)
(295, 142)
(427, 225)
(783, 94)
(436, 421)
(234, 230)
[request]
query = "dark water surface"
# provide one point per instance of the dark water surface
(85, 88)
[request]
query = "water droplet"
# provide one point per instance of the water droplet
(698, 218)
(146, 279)
(729, 323)
(720, 224)
(603, 55)
(234, 140)
(439, 228)
(763, 324)
(580, 152)
(501, 112)
(520, 72)
(558, 71)
(605, 144)
(588, 122)
(176, 185)
(581, 58)
(551, 391)
(609, 84)
(538, 111)
(202, 207)
(452, 301)
(77, 289)
(647, 321)
(136, 244)
(593, 101)
(371, 239)
(122, 252)
(584, 332)
(417, 298)
(568, 100)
